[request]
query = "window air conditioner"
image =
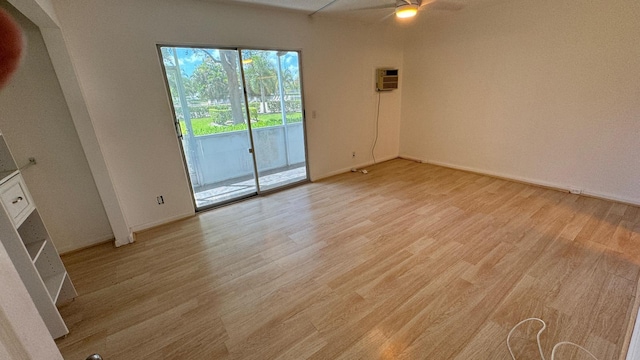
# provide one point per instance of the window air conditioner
(386, 79)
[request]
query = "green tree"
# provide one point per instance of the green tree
(290, 82)
(172, 74)
(210, 81)
(228, 59)
(260, 74)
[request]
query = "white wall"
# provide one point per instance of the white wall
(36, 123)
(545, 91)
(113, 47)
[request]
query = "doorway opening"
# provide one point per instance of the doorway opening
(239, 116)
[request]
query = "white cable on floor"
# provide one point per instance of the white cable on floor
(555, 347)
(544, 326)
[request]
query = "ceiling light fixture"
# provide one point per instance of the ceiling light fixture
(406, 10)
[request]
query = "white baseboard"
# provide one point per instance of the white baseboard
(142, 227)
(94, 242)
(586, 192)
(348, 169)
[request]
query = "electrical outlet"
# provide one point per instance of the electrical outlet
(160, 200)
(353, 155)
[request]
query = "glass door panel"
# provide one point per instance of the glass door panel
(206, 91)
(272, 83)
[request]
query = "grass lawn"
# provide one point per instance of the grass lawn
(206, 126)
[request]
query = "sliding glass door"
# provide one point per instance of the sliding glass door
(239, 115)
(273, 87)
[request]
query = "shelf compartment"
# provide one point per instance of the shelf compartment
(67, 291)
(35, 249)
(54, 284)
(51, 270)
(32, 229)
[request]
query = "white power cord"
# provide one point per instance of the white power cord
(544, 326)
(555, 347)
(375, 140)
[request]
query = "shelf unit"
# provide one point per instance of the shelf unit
(27, 241)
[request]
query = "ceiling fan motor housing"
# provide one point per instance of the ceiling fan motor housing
(409, 2)
(407, 8)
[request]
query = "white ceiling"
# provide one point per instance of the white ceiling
(313, 5)
(351, 8)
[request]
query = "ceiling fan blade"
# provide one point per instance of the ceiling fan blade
(386, 6)
(442, 5)
(387, 16)
(324, 7)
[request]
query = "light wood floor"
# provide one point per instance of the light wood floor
(410, 261)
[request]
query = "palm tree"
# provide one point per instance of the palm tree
(290, 83)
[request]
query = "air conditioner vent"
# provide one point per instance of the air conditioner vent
(386, 79)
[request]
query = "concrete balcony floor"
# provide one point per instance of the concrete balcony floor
(235, 188)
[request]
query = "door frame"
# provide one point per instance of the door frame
(179, 135)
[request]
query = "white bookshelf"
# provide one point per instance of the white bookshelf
(35, 249)
(27, 241)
